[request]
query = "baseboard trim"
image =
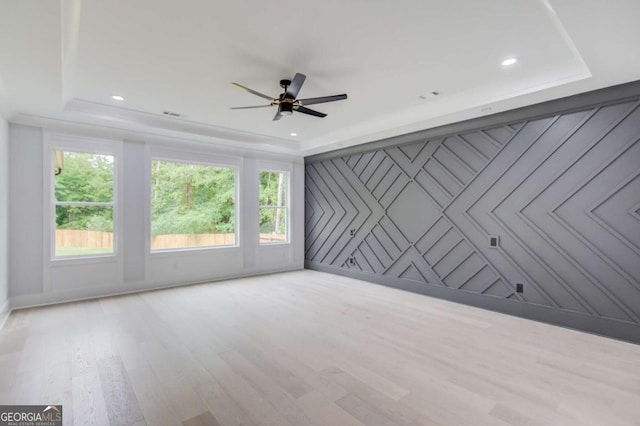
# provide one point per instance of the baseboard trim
(76, 295)
(603, 327)
(5, 311)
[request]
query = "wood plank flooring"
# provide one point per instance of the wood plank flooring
(308, 348)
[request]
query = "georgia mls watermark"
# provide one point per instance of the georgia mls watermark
(30, 415)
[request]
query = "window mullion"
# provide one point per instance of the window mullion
(85, 203)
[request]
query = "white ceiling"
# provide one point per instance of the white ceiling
(62, 60)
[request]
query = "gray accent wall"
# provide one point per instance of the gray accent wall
(561, 192)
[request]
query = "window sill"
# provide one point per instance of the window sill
(195, 251)
(83, 260)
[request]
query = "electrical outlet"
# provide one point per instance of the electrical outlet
(519, 288)
(351, 261)
(352, 232)
(494, 241)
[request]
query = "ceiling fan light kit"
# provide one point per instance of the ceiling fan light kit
(287, 102)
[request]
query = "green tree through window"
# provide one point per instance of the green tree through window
(192, 205)
(274, 211)
(83, 198)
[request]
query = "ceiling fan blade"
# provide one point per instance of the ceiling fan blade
(250, 107)
(278, 116)
(311, 101)
(310, 111)
(295, 86)
(262, 95)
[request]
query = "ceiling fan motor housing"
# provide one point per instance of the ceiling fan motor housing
(286, 108)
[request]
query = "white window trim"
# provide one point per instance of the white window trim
(60, 142)
(287, 206)
(205, 158)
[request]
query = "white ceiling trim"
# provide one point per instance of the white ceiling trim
(140, 119)
(132, 132)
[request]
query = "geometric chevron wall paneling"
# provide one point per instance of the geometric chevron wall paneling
(561, 193)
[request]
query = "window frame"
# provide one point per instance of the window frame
(85, 145)
(287, 205)
(191, 159)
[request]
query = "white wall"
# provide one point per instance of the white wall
(36, 279)
(25, 210)
(4, 218)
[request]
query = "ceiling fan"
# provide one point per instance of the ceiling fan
(287, 102)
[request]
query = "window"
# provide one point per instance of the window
(192, 205)
(274, 210)
(84, 203)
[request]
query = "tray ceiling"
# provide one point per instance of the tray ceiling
(64, 60)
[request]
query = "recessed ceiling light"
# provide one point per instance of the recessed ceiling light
(509, 61)
(293, 134)
(117, 98)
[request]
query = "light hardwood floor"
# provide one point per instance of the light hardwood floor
(307, 348)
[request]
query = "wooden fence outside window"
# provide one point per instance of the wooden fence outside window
(99, 239)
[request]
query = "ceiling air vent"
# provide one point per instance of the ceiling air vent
(172, 114)
(430, 95)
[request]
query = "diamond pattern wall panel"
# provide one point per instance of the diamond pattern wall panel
(561, 192)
